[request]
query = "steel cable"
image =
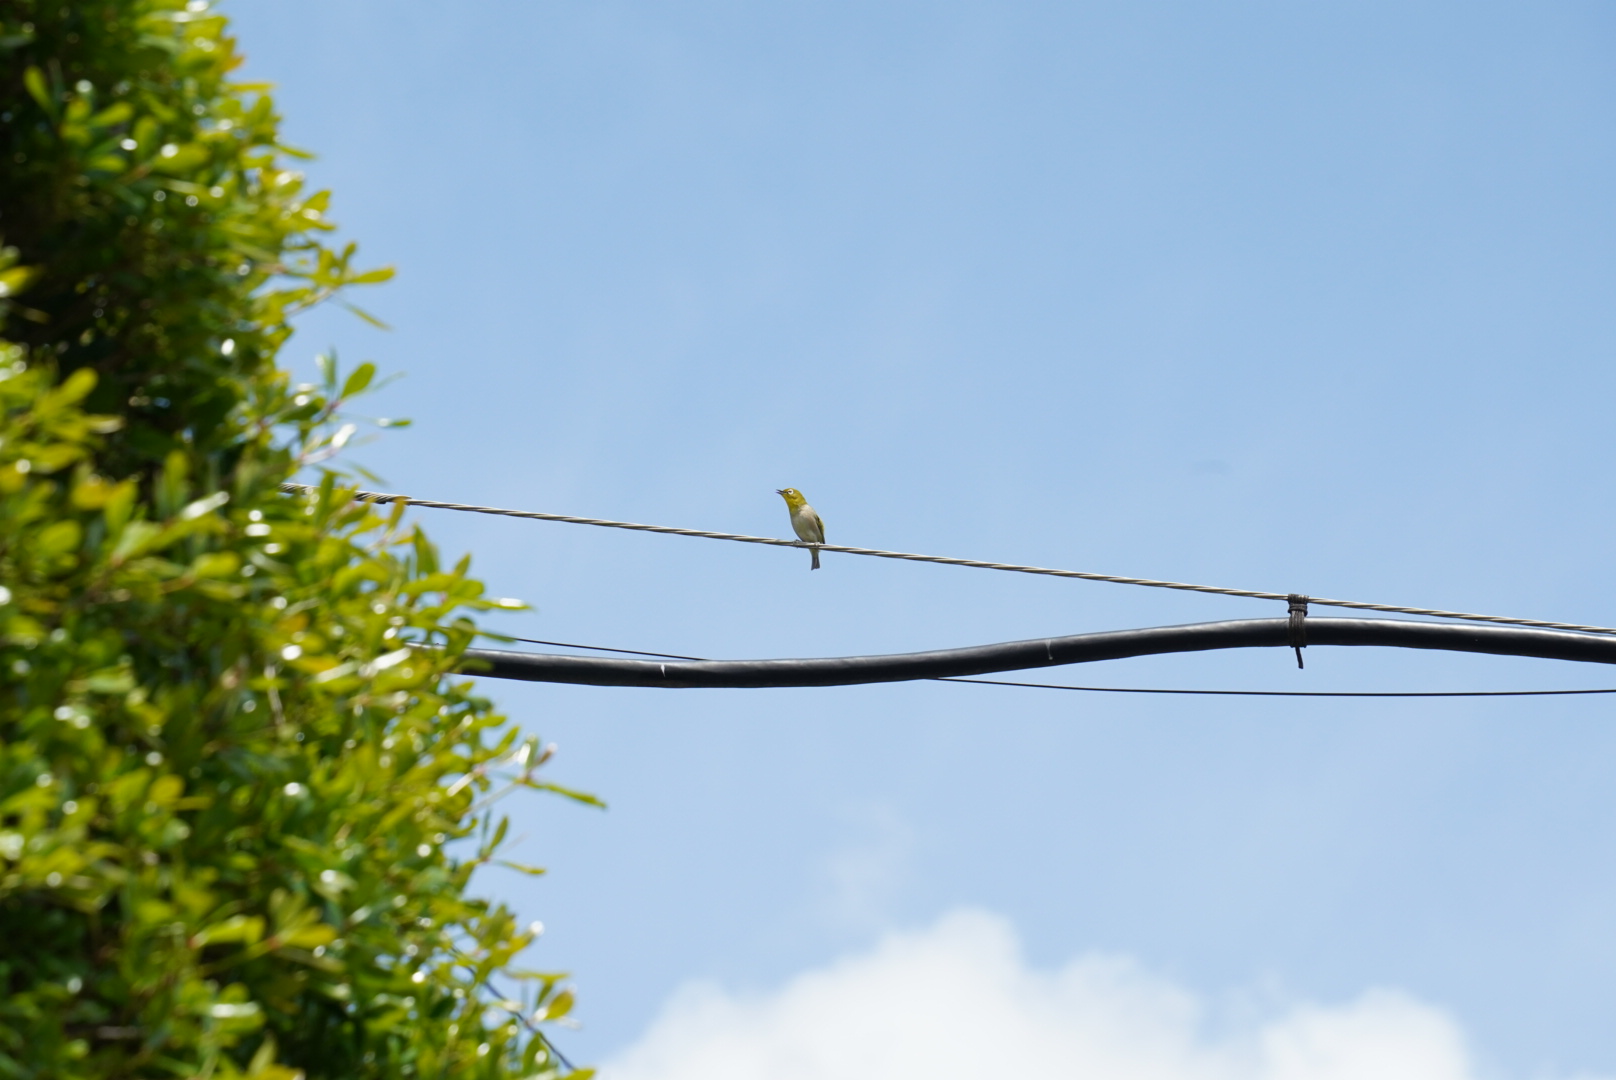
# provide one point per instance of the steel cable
(944, 560)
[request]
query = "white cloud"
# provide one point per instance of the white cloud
(957, 1001)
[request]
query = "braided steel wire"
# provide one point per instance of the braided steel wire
(945, 560)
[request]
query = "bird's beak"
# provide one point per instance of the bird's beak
(779, 491)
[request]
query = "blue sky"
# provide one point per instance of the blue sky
(1278, 296)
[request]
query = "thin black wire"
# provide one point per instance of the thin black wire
(598, 648)
(534, 1029)
(1148, 689)
(556, 1050)
(1283, 693)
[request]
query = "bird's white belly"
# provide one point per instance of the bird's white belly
(806, 524)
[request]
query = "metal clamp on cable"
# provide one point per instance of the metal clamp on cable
(1297, 637)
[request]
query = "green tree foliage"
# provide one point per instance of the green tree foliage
(241, 791)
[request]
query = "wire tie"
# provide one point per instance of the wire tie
(1296, 636)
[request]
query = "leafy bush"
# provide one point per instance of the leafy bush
(241, 792)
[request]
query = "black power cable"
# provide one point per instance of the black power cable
(961, 664)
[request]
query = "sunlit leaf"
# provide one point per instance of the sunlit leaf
(34, 80)
(522, 868)
(247, 929)
(358, 379)
(367, 316)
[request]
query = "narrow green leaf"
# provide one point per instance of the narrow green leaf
(522, 868)
(359, 379)
(34, 80)
(247, 929)
(204, 506)
(310, 937)
(367, 316)
(556, 1007)
(577, 796)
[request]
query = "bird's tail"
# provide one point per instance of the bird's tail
(814, 551)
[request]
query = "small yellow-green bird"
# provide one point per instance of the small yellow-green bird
(804, 521)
